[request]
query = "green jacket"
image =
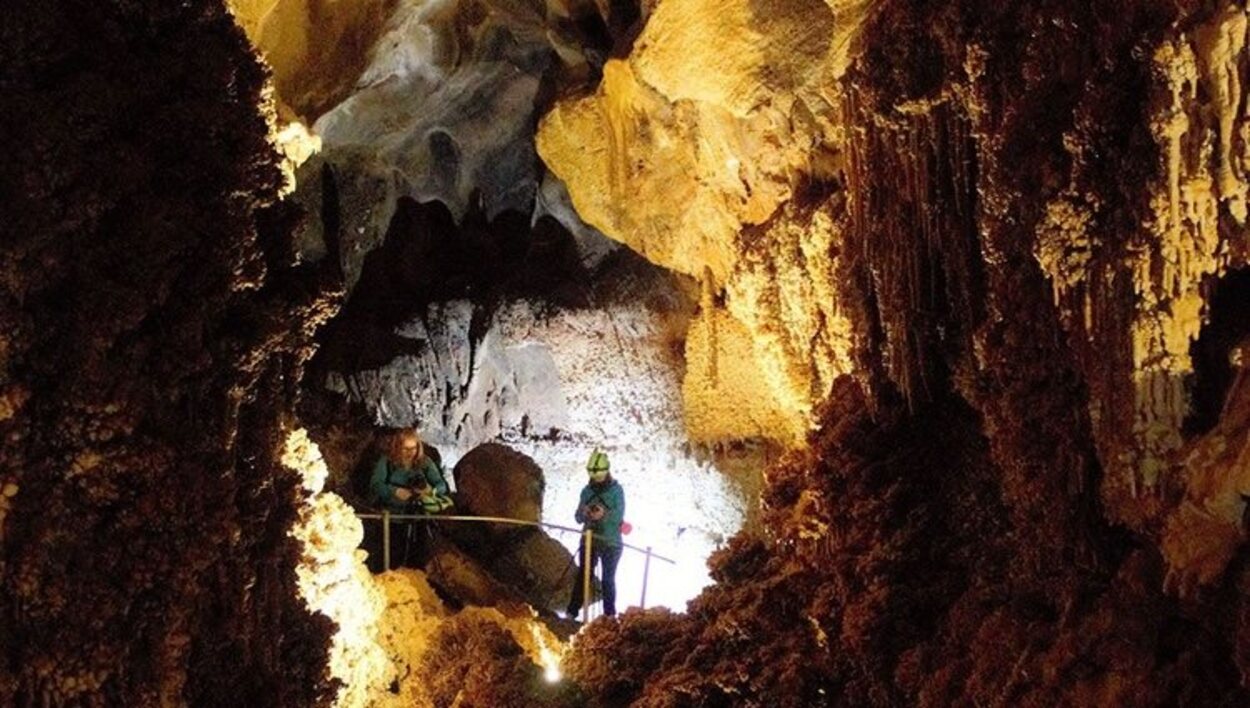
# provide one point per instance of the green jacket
(388, 476)
(611, 496)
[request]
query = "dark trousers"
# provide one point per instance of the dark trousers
(607, 556)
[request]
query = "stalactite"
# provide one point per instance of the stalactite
(921, 239)
(1220, 45)
(1181, 246)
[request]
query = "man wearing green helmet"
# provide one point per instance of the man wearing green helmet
(601, 510)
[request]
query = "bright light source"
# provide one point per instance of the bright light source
(552, 674)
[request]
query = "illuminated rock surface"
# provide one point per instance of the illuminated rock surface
(419, 100)
(556, 382)
(956, 255)
(912, 561)
(479, 653)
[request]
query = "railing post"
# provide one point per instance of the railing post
(588, 538)
(646, 570)
(386, 539)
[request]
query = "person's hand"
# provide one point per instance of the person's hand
(595, 512)
(402, 494)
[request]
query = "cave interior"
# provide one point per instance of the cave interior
(917, 334)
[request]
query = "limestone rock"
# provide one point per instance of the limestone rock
(424, 666)
(465, 578)
(312, 46)
(334, 581)
(688, 146)
(495, 480)
(555, 383)
(539, 567)
(426, 101)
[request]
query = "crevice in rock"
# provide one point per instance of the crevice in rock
(1227, 326)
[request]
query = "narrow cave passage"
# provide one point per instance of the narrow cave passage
(1227, 329)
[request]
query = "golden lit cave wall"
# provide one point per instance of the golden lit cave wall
(316, 48)
(1195, 231)
(689, 149)
(689, 152)
(1134, 600)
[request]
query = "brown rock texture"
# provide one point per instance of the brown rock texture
(1031, 206)
(477, 662)
(153, 335)
(495, 480)
(980, 262)
(895, 575)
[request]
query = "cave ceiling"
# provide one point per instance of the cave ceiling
(690, 157)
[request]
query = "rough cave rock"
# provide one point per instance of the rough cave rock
(980, 266)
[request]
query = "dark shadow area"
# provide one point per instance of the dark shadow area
(1228, 324)
(427, 257)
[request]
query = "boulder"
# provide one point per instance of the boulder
(462, 577)
(538, 567)
(495, 480)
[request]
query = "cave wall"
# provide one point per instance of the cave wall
(1032, 205)
(1005, 223)
(909, 234)
(487, 331)
(153, 333)
(697, 154)
(425, 101)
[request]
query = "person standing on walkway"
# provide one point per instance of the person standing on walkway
(601, 510)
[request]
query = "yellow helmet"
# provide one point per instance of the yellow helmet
(597, 466)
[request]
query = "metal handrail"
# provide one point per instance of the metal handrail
(504, 520)
(587, 544)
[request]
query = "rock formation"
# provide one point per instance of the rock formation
(982, 266)
(1034, 208)
(154, 330)
(493, 331)
(494, 480)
